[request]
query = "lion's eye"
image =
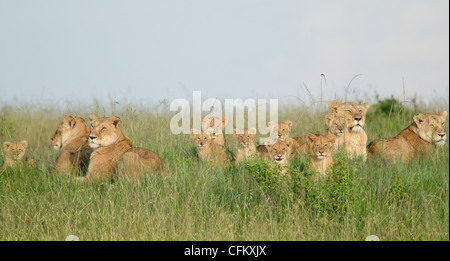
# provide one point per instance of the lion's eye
(104, 128)
(248, 136)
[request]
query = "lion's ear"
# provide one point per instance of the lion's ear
(331, 138)
(69, 121)
(92, 117)
(418, 119)
(334, 106)
(235, 133)
(7, 145)
(288, 123)
(115, 121)
(443, 114)
(312, 137)
(365, 106)
(24, 144)
(224, 121)
(328, 119)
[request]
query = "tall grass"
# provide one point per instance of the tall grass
(198, 201)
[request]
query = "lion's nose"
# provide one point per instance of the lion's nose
(92, 137)
(358, 118)
(442, 135)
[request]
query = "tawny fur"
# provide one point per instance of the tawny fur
(208, 150)
(113, 150)
(321, 148)
(354, 138)
(279, 153)
(419, 138)
(15, 154)
(246, 145)
(71, 139)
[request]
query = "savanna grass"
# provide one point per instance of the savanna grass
(198, 201)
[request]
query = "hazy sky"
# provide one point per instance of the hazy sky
(165, 49)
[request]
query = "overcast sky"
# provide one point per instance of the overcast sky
(165, 49)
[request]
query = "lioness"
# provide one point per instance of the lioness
(208, 150)
(354, 138)
(417, 139)
(321, 148)
(71, 139)
(15, 152)
(215, 127)
(246, 145)
(111, 147)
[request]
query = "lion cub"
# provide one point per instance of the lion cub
(414, 141)
(336, 126)
(279, 153)
(321, 148)
(279, 130)
(354, 137)
(246, 145)
(15, 152)
(216, 126)
(207, 149)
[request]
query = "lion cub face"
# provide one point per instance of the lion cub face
(280, 150)
(281, 129)
(104, 131)
(15, 150)
(431, 127)
(202, 138)
(321, 146)
(246, 138)
(336, 124)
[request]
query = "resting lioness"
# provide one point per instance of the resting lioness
(111, 148)
(414, 141)
(15, 152)
(71, 139)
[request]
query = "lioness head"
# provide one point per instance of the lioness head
(321, 146)
(201, 138)
(245, 138)
(64, 131)
(431, 127)
(336, 124)
(214, 126)
(15, 150)
(354, 114)
(104, 131)
(279, 152)
(282, 129)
